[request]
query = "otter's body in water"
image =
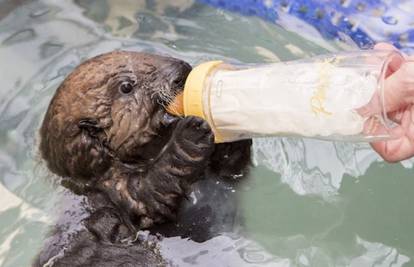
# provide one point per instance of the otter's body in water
(107, 134)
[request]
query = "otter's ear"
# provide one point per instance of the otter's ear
(75, 151)
(88, 155)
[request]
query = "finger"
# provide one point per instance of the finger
(400, 146)
(395, 62)
(399, 88)
(389, 149)
(394, 150)
(384, 46)
(393, 86)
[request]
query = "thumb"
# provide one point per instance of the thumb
(399, 87)
(396, 61)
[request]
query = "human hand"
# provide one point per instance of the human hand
(399, 104)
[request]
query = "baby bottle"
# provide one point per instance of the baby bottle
(321, 97)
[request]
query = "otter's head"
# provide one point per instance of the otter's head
(110, 108)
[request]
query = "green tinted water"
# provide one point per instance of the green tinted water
(309, 203)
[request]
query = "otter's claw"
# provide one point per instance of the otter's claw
(194, 136)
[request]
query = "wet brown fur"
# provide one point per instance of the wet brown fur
(132, 160)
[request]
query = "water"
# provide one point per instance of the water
(308, 203)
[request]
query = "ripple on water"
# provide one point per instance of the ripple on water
(50, 48)
(41, 11)
(44, 40)
(20, 36)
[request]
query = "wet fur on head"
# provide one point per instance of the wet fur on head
(91, 122)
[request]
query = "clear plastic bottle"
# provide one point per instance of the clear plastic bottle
(320, 97)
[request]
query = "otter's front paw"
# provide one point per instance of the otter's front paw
(193, 136)
(153, 196)
(162, 189)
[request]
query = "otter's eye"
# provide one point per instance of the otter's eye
(126, 88)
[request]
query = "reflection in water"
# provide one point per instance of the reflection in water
(370, 220)
(223, 250)
(21, 36)
(313, 166)
(318, 206)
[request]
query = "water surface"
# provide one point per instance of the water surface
(308, 203)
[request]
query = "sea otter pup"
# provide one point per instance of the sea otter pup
(108, 135)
